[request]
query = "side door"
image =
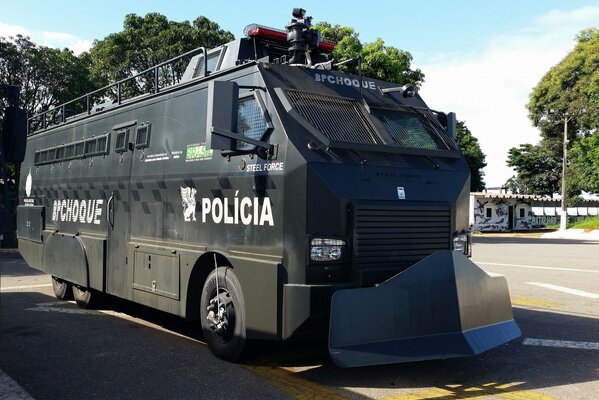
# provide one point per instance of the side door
(119, 209)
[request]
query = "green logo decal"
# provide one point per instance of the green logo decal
(198, 153)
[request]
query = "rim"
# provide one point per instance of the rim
(221, 320)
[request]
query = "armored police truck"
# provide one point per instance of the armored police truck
(266, 195)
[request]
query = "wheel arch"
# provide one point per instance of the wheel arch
(200, 271)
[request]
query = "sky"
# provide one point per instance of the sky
(481, 59)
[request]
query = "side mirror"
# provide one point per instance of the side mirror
(222, 120)
(223, 101)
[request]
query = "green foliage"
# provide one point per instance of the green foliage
(587, 223)
(570, 89)
(584, 159)
(538, 170)
(474, 156)
(148, 41)
(378, 60)
(47, 77)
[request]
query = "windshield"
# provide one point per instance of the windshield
(339, 122)
(410, 129)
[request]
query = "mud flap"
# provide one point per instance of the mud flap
(441, 307)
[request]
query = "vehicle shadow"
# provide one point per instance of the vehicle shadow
(511, 368)
(514, 367)
(11, 264)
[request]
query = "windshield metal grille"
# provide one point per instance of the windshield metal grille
(337, 118)
(410, 129)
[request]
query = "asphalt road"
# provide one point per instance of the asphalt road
(54, 350)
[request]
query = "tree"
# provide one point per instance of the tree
(378, 60)
(47, 77)
(570, 89)
(538, 170)
(148, 41)
(474, 156)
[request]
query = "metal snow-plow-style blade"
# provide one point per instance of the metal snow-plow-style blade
(441, 307)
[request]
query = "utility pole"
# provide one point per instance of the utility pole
(563, 223)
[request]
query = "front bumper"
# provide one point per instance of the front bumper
(441, 307)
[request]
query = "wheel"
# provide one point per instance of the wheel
(222, 315)
(85, 298)
(62, 289)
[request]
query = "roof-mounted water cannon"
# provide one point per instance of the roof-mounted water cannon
(302, 38)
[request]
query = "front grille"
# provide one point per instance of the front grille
(339, 119)
(391, 239)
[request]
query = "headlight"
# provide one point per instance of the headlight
(322, 250)
(461, 243)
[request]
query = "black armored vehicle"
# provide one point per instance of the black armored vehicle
(266, 195)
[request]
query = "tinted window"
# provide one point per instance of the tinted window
(250, 121)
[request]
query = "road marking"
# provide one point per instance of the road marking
(4, 288)
(296, 387)
(11, 390)
(458, 391)
(561, 343)
(530, 302)
(565, 290)
(538, 267)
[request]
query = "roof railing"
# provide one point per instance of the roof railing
(61, 110)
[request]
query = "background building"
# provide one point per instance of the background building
(497, 211)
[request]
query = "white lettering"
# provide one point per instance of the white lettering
(63, 207)
(256, 206)
(344, 81)
(244, 210)
(217, 216)
(236, 208)
(228, 218)
(266, 215)
(82, 209)
(205, 208)
(246, 218)
(75, 210)
(98, 211)
(55, 210)
(69, 212)
(90, 211)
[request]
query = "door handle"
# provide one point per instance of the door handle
(110, 211)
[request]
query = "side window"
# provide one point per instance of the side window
(488, 211)
(250, 121)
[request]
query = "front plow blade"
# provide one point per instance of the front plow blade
(441, 307)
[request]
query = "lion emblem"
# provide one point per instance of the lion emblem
(188, 197)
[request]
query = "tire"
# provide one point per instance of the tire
(62, 289)
(227, 343)
(85, 298)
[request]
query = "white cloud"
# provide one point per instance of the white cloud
(50, 39)
(7, 30)
(489, 90)
(62, 40)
